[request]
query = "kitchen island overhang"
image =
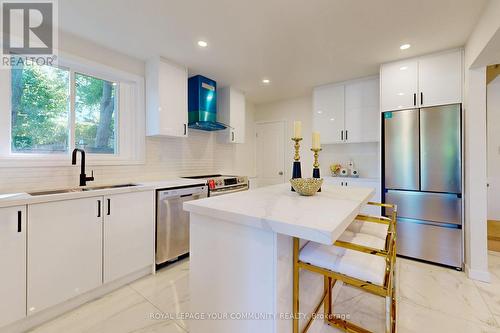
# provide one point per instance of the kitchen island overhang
(241, 253)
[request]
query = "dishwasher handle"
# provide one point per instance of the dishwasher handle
(201, 191)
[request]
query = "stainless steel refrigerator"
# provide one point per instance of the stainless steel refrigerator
(423, 175)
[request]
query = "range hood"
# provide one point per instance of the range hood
(202, 104)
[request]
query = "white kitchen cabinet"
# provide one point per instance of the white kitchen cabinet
(431, 80)
(360, 182)
(166, 99)
(12, 264)
(129, 228)
(328, 113)
(399, 85)
(231, 112)
(362, 115)
(64, 251)
(440, 79)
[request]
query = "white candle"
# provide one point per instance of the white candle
(316, 141)
(297, 129)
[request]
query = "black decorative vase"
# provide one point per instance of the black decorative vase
(316, 175)
(296, 172)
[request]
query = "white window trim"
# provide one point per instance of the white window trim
(131, 118)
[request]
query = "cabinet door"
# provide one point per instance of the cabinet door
(369, 209)
(237, 117)
(398, 85)
(128, 233)
(12, 264)
(440, 79)
(173, 110)
(64, 252)
(328, 113)
(362, 114)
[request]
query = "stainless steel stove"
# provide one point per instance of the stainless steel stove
(221, 184)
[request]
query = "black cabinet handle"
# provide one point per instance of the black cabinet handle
(346, 132)
(421, 98)
(342, 135)
(415, 99)
(109, 206)
(19, 221)
(232, 136)
(185, 129)
(98, 208)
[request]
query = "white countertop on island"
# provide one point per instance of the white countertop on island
(320, 218)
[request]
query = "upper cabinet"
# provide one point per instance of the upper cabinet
(231, 112)
(166, 99)
(399, 85)
(347, 112)
(420, 82)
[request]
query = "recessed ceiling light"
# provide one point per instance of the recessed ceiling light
(266, 81)
(403, 68)
(202, 43)
(405, 46)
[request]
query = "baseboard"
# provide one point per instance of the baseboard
(41, 317)
(478, 275)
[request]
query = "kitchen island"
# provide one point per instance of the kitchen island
(241, 253)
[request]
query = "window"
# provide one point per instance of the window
(40, 109)
(46, 111)
(95, 119)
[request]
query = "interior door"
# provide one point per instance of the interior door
(440, 145)
(270, 153)
(402, 150)
(328, 113)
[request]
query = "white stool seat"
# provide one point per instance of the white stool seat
(363, 266)
(375, 229)
(363, 239)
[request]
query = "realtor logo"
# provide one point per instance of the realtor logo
(28, 29)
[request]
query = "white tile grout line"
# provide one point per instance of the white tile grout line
(157, 308)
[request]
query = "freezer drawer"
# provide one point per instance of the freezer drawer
(435, 207)
(440, 146)
(430, 242)
(402, 160)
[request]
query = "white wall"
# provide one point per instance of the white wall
(200, 153)
(365, 155)
(493, 124)
(476, 252)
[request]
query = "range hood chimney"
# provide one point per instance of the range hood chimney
(202, 104)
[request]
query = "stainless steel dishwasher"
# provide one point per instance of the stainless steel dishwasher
(172, 222)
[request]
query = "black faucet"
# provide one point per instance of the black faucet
(83, 176)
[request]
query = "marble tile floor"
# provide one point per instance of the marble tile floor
(430, 299)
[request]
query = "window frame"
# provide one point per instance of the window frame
(130, 129)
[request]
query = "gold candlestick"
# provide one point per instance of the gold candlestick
(316, 155)
(297, 148)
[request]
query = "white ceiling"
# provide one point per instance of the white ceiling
(296, 43)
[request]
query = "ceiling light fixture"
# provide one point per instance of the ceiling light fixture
(405, 46)
(202, 43)
(266, 81)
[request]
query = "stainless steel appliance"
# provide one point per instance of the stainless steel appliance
(219, 184)
(172, 222)
(423, 176)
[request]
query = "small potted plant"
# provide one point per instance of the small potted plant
(335, 169)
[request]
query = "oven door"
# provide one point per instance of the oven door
(227, 190)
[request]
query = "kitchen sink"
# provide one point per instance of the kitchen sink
(80, 189)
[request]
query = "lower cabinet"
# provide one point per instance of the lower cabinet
(360, 182)
(128, 233)
(12, 264)
(64, 251)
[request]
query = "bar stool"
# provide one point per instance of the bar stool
(362, 258)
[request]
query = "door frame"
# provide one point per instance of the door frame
(284, 124)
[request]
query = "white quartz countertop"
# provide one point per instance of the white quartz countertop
(320, 218)
(19, 199)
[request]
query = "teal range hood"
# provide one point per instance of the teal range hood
(202, 104)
